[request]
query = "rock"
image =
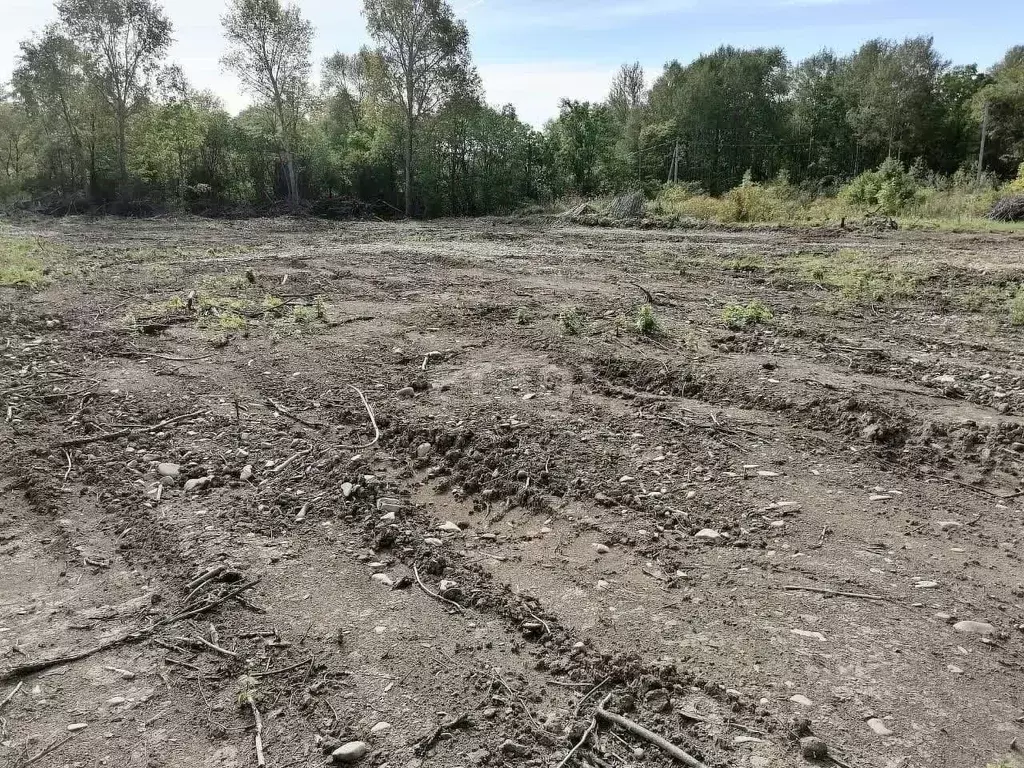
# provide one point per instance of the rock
(974, 627)
(450, 527)
(926, 585)
(166, 469)
(383, 578)
(478, 756)
(489, 713)
(447, 585)
(802, 700)
(389, 506)
(351, 752)
(75, 727)
(808, 633)
(708, 534)
(879, 727)
(813, 748)
(434, 542)
(949, 525)
(406, 392)
(948, 618)
(657, 699)
(346, 489)
(196, 483)
(510, 747)
(380, 728)
(602, 549)
(246, 473)
(424, 450)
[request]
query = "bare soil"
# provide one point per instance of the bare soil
(522, 540)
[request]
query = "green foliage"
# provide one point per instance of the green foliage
(573, 321)
(646, 322)
(20, 264)
(859, 278)
(1017, 307)
(740, 316)
(890, 189)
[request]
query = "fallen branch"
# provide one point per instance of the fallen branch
(126, 432)
(9, 696)
(834, 592)
(261, 761)
(426, 743)
(207, 606)
(586, 735)
(57, 661)
(208, 644)
(373, 420)
(638, 730)
(284, 464)
(646, 293)
(270, 672)
(56, 745)
(287, 413)
(197, 582)
(434, 595)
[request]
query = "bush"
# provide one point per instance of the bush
(646, 322)
(738, 316)
(891, 189)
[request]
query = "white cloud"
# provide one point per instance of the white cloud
(535, 88)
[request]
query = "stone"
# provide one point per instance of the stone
(949, 525)
(450, 527)
(352, 752)
(948, 618)
(346, 489)
(389, 506)
(879, 727)
(246, 473)
(602, 549)
(802, 700)
(926, 585)
(813, 748)
(657, 699)
(380, 728)
(196, 483)
(434, 542)
(708, 534)
(75, 727)
(166, 469)
(406, 392)
(974, 627)
(510, 747)
(383, 578)
(808, 633)
(424, 450)
(478, 756)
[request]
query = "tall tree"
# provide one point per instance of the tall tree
(423, 52)
(1004, 97)
(628, 91)
(269, 50)
(125, 40)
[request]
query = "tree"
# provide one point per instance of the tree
(269, 49)
(628, 91)
(125, 41)
(423, 57)
(1004, 95)
(583, 139)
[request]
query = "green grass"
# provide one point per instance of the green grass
(573, 321)
(859, 278)
(22, 263)
(740, 316)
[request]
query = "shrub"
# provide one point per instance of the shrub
(573, 321)
(646, 322)
(890, 188)
(738, 316)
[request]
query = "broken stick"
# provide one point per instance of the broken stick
(638, 730)
(373, 420)
(586, 735)
(434, 595)
(832, 592)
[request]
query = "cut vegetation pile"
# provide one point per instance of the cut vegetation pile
(1008, 209)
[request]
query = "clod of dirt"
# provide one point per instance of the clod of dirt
(813, 748)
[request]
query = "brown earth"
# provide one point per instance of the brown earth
(546, 488)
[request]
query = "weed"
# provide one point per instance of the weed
(747, 263)
(646, 322)
(738, 316)
(1017, 307)
(859, 278)
(523, 316)
(305, 314)
(573, 321)
(230, 321)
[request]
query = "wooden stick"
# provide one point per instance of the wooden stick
(38, 666)
(638, 730)
(208, 644)
(126, 432)
(261, 761)
(586, 735)
(207, 606)
(373, 421)
(56, 745)
(284, 464)
(287, 413)
(200, 580)
(9, 696)
(270, 672)
(793, 587)
(434, 595)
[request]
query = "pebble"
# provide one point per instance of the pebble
(802, 700)
(926, 585)
(166, 469)
(432, 541)
(196, 483)
(948, 618)
(246, 473)
(391, 506)
(450, 527)
(949, 525)
(383, 578)
(602, 549)
(381, 727)
(510, 747)
(424, 450)
(813, 748)
(351, 752)
(974, 627)
(708, 534)
(406, 392)
(74, 727)
(879, 727)
(346, 489)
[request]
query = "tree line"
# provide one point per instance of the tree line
(96, 116)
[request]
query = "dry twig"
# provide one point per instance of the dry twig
(434, 595)
(833, 592)
(638, 730)
(373, 420)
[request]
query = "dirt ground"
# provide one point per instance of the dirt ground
(559, 512)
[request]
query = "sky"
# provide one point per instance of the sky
(531, 53)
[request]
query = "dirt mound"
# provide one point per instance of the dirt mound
(1008, 209)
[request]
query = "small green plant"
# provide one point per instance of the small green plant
(1017, 307)
(523, 316)
(304, 314)
(573, 321)
(231, 321)
(739, 316)
(747, 263)
(646, 323)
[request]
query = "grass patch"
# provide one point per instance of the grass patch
(1017, 307)
(747, 263)
(859, 278)
(573, 321)
(22, 263)
(740, 316)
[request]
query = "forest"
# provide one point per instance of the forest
(96, 117)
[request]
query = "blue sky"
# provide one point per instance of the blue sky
(532, 52)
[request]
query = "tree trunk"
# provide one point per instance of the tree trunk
(122, 149)
(408, 161)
